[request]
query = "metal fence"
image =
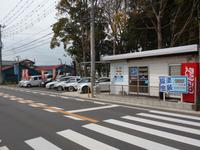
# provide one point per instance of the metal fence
(126, 90)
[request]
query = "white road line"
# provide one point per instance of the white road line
(52, 95)
(170, 119)
(78, 99)
(64, 97)
(72, 117)
(57, 108)
(49, 110)
(175, 115)
(4, 148)
(34, 105)
(20, 99)
(162, 124)
(93, 108)
(85, 141)
(41, 144)
(155, 132)
(29, 101)
(41, 104)
(131, 139)
(42, 94)
(22, 102)
(101, 103)
(35, 92)
(13, 99)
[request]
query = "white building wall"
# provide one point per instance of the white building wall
(157, 66)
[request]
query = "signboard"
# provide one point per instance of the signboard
(119, 71)
(191, 71)
(173, 84)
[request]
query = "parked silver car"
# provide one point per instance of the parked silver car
(33, 81)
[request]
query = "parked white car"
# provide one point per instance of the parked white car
(72, 85)
(21, 83)
(50, 85)
(102, 83)
(84, 85)
(33, 81)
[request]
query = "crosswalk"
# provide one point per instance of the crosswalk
(153, 130)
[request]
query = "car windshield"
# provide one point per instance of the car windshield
(85, 80)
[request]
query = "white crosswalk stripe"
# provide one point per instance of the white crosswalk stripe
(41, 144)
(175, 115)
(4, 148)
(162, 124)
(170, 119)
(85, 141)
(163, 134)
(125, 137)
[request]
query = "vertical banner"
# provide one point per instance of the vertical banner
(25, 75)
(54, 74)
(191, 71)
(43, 75)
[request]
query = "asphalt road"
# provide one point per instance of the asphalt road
(42, 120)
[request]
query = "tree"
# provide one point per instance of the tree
(73, 30)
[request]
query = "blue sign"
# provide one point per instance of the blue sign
(134, 71)
(173, 84)
(16, 69)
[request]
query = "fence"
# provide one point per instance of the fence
(125, 90)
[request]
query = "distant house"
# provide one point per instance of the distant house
(12, 71)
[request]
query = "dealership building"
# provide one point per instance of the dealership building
(139, 72)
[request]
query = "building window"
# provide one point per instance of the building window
(138, 79)
(175, 70)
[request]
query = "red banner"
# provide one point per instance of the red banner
(191, 71)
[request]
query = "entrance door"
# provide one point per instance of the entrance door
(138, 80)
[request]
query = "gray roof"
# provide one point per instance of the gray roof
(8, 62)
(152, 53)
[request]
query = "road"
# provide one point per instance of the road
(41, 120)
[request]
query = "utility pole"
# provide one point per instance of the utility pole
(198, 79)
(1, 46)
(18, 72)
(92, 48)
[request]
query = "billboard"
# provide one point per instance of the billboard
(173, 84)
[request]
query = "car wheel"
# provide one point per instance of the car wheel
(85, 89)
(28, 86)
(60, 88)
(71, 89)
(51, 86)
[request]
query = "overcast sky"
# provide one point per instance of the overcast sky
(30, 20)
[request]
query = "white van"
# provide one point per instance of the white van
(33, 81)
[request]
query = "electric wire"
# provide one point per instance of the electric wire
(21, 46)
(24, 50)
(12, 10)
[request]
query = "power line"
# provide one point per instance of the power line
(21, 46)
(42, 44)
(28, 16)
(19, 12)
(25, 39)
(29, 25)
(12, 10)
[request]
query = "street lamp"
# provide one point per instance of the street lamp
(60, 60)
